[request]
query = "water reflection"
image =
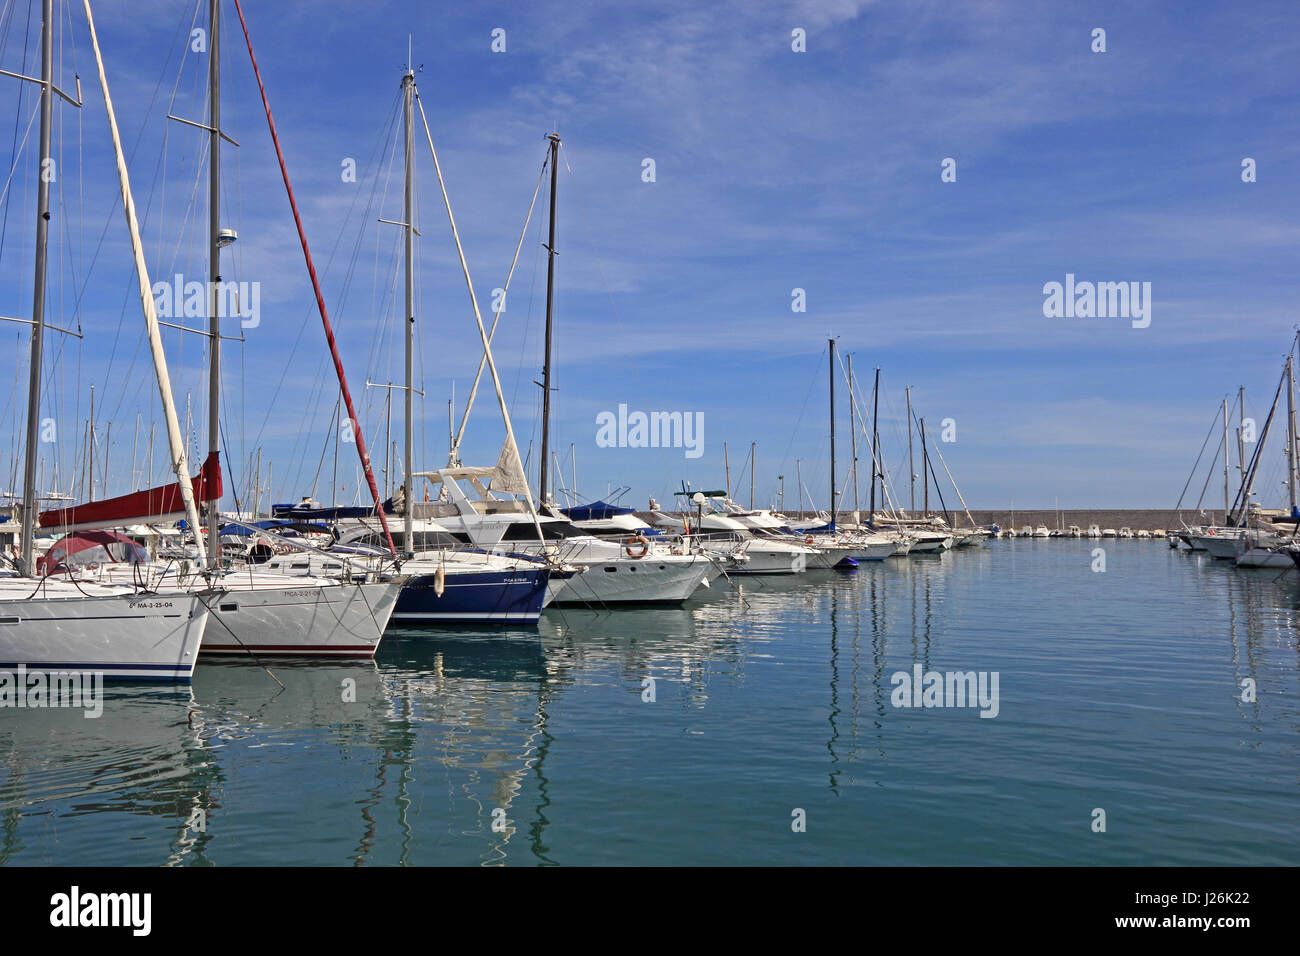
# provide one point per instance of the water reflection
(476, 746)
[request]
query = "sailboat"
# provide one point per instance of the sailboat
(254, 611)
(492, 508)
(62, 625)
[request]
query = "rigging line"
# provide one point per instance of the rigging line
(478, 318)
(4, 223)
(812, 381)
(386, 149)
(1214, 421)
(108, 221)
(1210, 473)
(272, 405)
(4, 193)
(326, 447)
(473, 392)
(320, 299)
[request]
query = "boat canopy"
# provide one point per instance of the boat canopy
(301, 512)
(596, 511)
(91, 547)
(155, 504)
(272, 524)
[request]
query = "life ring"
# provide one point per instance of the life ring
(808, 541)
(635, 540)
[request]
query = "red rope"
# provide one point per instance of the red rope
(320, 299)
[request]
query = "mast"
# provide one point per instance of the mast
(875, 440)
(832, 377)
(388, 442)
(925, 469)
(798, 480)
(28, 542)
(90, 446)
(1227, 462)
(726, 468)
(180, 465)
(214, 264)
(408, 451)
(911, 468)
(135, 447)
(326, 326)
(1241, 428)
(1290, 432)
(853, 438)
(543, 488)
(753, 455)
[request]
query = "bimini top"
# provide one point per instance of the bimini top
(90, 547)
(596, 511)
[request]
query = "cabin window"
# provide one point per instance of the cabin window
(611, 570)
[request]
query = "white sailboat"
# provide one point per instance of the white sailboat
(61, 625)
(257, 613)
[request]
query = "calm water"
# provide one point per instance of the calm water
(1117, 690)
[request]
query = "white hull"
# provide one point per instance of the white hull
(931, 543)
(1220, 546)
(332, 620)
(873, 549)
(778, 557)
(1264, 558)
(650, 580)
(122, 635)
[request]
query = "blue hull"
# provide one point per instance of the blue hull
(480, 597)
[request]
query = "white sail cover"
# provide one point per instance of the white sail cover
(508, 475)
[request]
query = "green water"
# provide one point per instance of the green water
(1119, 691)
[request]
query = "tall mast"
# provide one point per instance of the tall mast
(753, 455)
(176, 444)
(388, 443)
(832, 377)
(1241, 428)
(214, 263)
(408, 451)
(853, 438)
(1227, 462)
(28, 557)
(1290, 432)
(925, 470)
(726, 468)
(90, 446)
(543, 488)
(875, 441)
(911, 468)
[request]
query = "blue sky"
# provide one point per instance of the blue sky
(775, 170)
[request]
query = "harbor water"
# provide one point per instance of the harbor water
(761, 724)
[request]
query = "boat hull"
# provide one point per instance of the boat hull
(652, 580)
(151, 637)
(338, 620)
(481, 597)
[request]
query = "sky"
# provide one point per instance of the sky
(794, 146)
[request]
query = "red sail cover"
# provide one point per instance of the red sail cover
(162, 502)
